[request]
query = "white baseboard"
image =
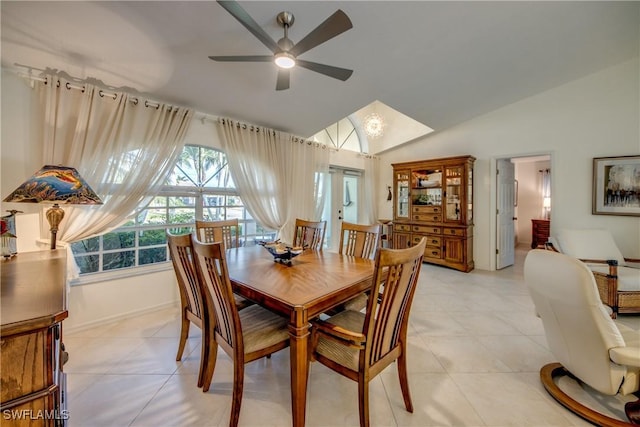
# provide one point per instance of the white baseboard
(118, 317)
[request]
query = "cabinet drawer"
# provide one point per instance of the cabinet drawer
(426, 229)
(434, 241)
(430, 252)
(454, 232)
(415, 238)
(24, 364)
(401, 227)
(427, 209)
(427, 217)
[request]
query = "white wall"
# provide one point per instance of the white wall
(595, 116)
(97, 303)
(20, 149)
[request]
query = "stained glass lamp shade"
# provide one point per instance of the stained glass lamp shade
(57, 185)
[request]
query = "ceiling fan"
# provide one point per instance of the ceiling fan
(285, 52)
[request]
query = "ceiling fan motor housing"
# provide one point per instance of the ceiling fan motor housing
(285, 19)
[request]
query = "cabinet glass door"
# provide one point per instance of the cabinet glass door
(454, 193)
(427, 187)
(402, 194)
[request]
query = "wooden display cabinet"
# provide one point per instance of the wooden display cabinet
(434, 199)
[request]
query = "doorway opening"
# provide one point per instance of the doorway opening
(524, 201)
(342, 202)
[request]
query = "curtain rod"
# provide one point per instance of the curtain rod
(69, 86)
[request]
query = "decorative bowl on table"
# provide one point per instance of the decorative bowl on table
(282, 252)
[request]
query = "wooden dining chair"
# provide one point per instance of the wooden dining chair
(226, 231)
(358, 240)
(309, 234)
(245, 335)
(361, 345)
(361, 241)
(191, 304)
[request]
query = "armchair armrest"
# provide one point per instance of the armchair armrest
(612, 263)
(549, 246)
(632, 262)
(599, 261)
(339, 332)
(628, 356)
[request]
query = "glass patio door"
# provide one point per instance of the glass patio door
(341, 203)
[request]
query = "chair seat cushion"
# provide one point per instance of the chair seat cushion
(339, 353)
(358, 303)
(261, 328)
(628, 278)
(241, 302)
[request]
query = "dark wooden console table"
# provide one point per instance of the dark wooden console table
(34, 304)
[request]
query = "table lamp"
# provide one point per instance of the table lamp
(57, 185)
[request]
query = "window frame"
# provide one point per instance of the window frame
(199, 194)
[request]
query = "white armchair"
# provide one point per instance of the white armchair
(617, 277)
(582, 337)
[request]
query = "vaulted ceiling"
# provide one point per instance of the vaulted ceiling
(439, 63)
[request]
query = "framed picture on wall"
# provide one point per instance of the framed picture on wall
(616, 185)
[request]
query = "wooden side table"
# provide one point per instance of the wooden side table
(34, 304)
(539, 232)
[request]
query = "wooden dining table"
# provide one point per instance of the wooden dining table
(313, 283)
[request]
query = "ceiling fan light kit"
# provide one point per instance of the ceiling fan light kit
(284, 60)
(285, 52)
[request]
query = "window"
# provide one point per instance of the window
(341, 135)
(200, 187)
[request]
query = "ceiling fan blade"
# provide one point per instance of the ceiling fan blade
(243, 58)
(283, 79)
(328, 70)
(245, 19)
(336, 24)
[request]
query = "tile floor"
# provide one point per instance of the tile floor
(474, 354)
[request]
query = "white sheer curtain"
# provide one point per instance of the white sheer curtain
(279, 176)
(545, 192)
(124, 149)
(369, 210)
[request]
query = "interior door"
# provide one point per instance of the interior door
(341, 204)
(505, 240)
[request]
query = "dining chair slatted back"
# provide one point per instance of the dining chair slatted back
(388, 315)
(191, 304)
(246, 335)
(361, 241)
(361, 345)
(358, 240)
(218, 290)
(226, 231)
(309, 234)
